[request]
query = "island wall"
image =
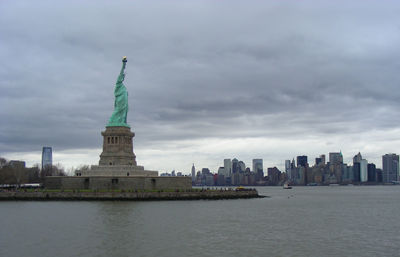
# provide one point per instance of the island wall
(117, 183)
(77, 195)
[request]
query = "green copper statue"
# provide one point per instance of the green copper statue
(118, 117)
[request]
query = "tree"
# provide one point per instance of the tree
(53, 170)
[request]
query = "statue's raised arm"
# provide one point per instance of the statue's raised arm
(121, 76)
(118, 117)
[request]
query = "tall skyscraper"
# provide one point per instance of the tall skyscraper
(390, 168)
(357, 158)
(293, 164)
(363, 170)
(258, 165)
(258, 168)
(47, 157)
(193, 173)
(357, 167)
(371, 172)
(356, 172)
(323, 159)
(287, 166)
(288, 170)
(242, 166)
(228, 168)
(335, 158)
(318, 161)
(302, 161)
(235, 165)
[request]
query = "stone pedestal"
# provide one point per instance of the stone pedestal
(116, 170)
(117, 158)
(117, 147)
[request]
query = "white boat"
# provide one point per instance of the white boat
(286, 186)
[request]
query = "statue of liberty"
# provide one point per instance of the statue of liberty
(118, 117)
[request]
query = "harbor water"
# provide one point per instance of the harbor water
(303, 221)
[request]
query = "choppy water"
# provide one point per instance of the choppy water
(304, 221)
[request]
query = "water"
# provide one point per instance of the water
(304, 221)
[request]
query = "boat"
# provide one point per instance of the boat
(240, 188)
(287, 186)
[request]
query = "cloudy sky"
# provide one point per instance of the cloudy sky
(207, 80)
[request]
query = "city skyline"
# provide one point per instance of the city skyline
(267, 80)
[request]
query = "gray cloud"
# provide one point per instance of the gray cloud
(199, 71)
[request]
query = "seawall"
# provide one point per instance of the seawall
(127, 196)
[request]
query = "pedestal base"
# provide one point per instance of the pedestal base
(117, 170)
(117, 147)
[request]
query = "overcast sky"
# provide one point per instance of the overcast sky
(207, 80)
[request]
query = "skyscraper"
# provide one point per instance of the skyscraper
(371, 172)
(47, 157)
(356, 172)
(323, 159)
(193, 173)
(228, 168)
(335, 158)
(287, 166)
(302, 161)
(390, 167)
(357, 167)
(363, 170)
(357, 158)
(235, 165)
(242, 166)
(288, 169)
(258, 168)
(258, 165)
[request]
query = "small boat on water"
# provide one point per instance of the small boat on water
(286, 186)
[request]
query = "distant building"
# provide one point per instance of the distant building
(363, 170)
(356, 172)
(357, 158)
(205, 171)
(287, 166)
(242, 166)
(273, 176)
(258, 165)
(209, 180)
(228, 168)
(323, 159)
(17, 164)
(357, 167)
(371, 172)
(390, 167)
(348, 174)
(302, 161)
(379, 175)
(193, 173)
(335, 158)
(288, 169)
(47, 157)
(235, 166)
(258, 168)
(293, 172)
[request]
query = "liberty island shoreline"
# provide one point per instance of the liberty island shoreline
(130, 195)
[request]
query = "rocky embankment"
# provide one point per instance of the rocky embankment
(128, 196)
